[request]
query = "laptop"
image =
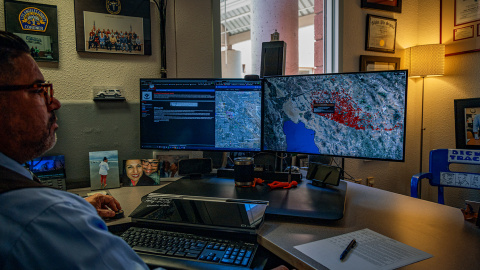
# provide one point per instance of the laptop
(193, 232)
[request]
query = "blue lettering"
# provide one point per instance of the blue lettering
(477, 154)
(476, 159)
(455, 152)
(452, 157)
(468, 158)
(459, 158)
(468, 153)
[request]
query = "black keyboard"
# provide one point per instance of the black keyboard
(190, 246)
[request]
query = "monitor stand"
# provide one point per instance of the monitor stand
(306, 200)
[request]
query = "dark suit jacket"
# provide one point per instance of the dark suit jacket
(10, 180)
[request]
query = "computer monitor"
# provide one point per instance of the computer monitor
(201, 114)
(50, 170)
(356, 115)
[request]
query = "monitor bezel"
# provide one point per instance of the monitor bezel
(264, 79)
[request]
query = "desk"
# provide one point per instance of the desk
(434, 228)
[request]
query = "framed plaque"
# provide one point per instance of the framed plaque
(387, 5)
(377, 63)
(381, 34)
(459, 31)
(37, 25)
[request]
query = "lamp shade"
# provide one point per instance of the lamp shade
(425, 60)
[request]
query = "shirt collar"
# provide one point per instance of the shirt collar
(14, 166)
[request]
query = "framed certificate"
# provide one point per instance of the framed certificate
(459, 26)
(381, 34)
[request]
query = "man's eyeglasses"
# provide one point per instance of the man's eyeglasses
(46, 87)
(146, 162)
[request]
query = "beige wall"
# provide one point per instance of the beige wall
(419, 23)
(87, 126)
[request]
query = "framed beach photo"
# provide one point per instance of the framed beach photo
(104, 169)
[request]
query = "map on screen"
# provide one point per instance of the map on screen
(359, 115)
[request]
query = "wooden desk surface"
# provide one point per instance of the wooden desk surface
(437, 229)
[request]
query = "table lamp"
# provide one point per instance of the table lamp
(425, 61)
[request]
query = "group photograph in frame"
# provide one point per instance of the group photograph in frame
(113, 26)
(381, 34)
(467, 123)
(386, 5)
(37, 25)
(378, 63)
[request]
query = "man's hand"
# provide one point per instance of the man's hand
(106, 205)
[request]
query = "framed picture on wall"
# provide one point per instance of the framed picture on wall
(37, 25)
(386, 5)
(113, 26)
(377, 63)
(467, 123)
(381, 34)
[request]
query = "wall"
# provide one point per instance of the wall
(86, 126)
(419, 23)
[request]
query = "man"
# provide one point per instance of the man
(150, 168)
(44, 228)
(41, 227)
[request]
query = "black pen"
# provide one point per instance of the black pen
(352, 244)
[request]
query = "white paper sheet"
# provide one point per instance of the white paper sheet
(373, 251)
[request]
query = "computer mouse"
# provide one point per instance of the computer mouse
(118, 214)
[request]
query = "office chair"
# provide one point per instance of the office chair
(441, 176)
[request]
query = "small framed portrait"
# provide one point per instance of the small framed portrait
(378, 63)
(104, 170)
(140, 172)
(467, 123)
(381, 34)
(168, 163)
(37, 25)
(385, 5)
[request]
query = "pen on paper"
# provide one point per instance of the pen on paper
(347, 250)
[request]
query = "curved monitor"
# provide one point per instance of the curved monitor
(201, 114)
(357, 115)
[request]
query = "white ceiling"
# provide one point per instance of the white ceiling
(237, 19)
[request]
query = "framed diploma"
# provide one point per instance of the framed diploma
(459, 29)
(381, 34)
(387, 5)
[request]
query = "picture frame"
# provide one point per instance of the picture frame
(37, 25)
(467, 119)
(102, 175)
(385, 5)
(377, 63)
(381, 34)
(459, 26)
(169, 164)
(113, 26)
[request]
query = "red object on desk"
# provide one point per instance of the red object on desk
(277, 184)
